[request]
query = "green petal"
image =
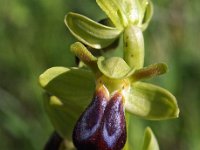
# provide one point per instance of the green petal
(150, 141)
(149, 71)
(62, 116)
(151, 102)
(73, 85)
(114, 67)
(89, 32)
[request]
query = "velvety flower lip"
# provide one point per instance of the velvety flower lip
(102, 125)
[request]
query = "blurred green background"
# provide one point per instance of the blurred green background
(33, 37)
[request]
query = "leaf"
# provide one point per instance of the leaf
(151, 102)
(73, 85)
(114, 67)
(150, 141)
(89, 32)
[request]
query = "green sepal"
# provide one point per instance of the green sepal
(149, 71)
(151, 102)
(150, 141)
(113, 67)
(62, 116)
(89, 32)
(72, 85)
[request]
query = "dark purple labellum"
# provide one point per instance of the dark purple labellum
(113, 129)
(86, 131)
(102, 126)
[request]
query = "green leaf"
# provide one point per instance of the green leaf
(151, 102)
(62, 116)
(89, 32)
(150, 141)
(149, 71)
(114, 67)
(73, 85)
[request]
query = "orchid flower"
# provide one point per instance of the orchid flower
(89, 106)
(72, 89)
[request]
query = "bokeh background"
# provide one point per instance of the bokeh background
(33, 37)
